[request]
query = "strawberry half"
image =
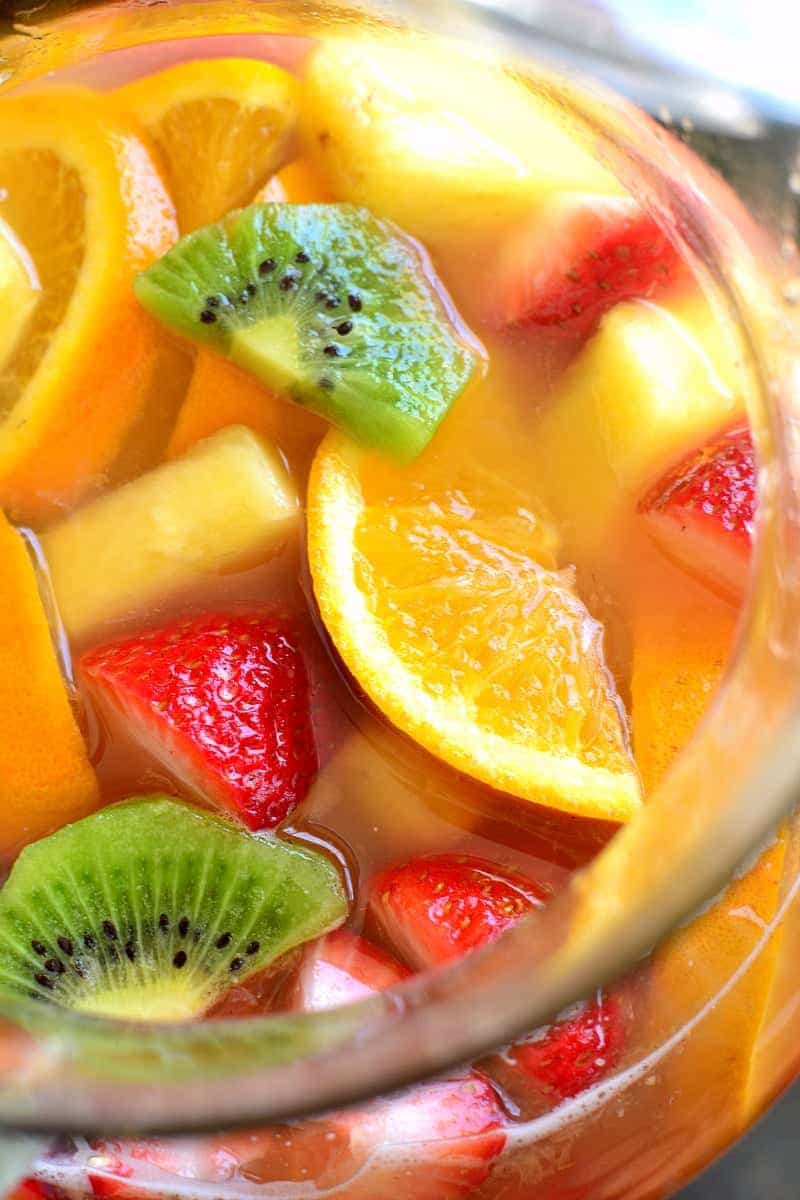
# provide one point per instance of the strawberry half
(437, 1142)
(569, 1056)
(701, 512)
(34, 1189)
(435, 909)
(222, 700)
(578, 257)
(341, 968)
(140, 1170)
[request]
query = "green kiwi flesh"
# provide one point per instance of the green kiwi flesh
(151, 909)
(328, 305)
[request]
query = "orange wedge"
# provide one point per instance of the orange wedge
(79, 190)
(682, 635)
(297, 183)
(436, 583)
(220, 394)
(45, 776)
(223, 126)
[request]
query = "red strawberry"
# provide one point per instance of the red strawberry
(437, 1142)
(33, 1189)
(701, 512)
(222, 700)
(140, 1170)
(565, 1058)
(576, 258)
(343, 967)
(435, 909)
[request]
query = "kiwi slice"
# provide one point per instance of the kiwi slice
(150, 909)
(328, 305)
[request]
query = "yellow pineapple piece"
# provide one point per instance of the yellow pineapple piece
(19, 290)
(228, 504)
(652, 383)
(441, 140)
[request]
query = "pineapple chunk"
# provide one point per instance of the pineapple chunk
(651, 385)
(441, 140)
(228, 504)
(19, 291)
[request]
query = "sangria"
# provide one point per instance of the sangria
(378, 479)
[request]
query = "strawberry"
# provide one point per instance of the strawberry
(33, 1189)
(222, 700)
(567, 1057)
(437, 1142)
(578, 257)
(340, 968)
(140, 1170)
(701, 512)
(434, 1142)
(433, 910)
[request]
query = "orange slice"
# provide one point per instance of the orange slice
(223, 127)
(436, 583)
(79, 190)
(45, 776)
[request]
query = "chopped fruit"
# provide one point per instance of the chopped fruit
(701, 512)
(711, 1072)
(650, 382)
(45, 776)
(79, 190)
(19, 291)
(342, 968)
(435, 909)
(326, 305)
(569, 1056)
(437, 1142)
(298, 183)
(225, 506)
(149, 909)
(133, 1170)
(431, 585)
(33, 1189)
(223, 126)
(440, 140)
(576, 258)
(221, 394)
(682, 636)
(222, 700)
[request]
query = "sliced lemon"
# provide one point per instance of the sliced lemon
(223, 126)
(437, 584)
(81, 193)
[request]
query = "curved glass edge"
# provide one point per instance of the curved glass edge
(655, 872)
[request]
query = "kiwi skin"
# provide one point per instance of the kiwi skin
(150, 909)
(328, 305)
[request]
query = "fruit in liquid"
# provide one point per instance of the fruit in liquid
(470, 723)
